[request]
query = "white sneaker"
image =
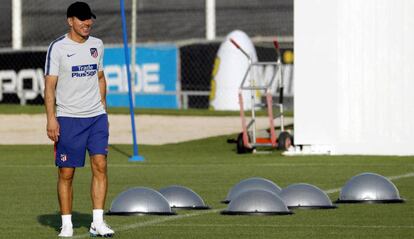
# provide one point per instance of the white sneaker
(66, 231)
(102, 230)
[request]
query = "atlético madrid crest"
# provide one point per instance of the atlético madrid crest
(94, 52)
(63, 157)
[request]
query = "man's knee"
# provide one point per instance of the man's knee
(66, 174)
(98, 164)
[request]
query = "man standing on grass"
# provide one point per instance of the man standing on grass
(75, 85)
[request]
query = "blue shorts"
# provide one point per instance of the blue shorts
(79, 134)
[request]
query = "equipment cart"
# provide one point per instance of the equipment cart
(250, 138)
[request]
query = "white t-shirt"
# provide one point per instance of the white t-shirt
(76, 65)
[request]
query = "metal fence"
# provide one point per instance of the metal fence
(181, 22)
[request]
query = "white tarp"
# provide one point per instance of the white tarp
(229, 69)
(354, 76)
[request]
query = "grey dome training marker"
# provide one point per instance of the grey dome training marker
(257, 202)
(140, 200)
(249, 184)
(369, 188)
(183, 197)
(303, 195)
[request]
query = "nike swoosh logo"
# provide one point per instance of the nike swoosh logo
(69, 55)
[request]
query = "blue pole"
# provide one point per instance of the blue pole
(134, 157)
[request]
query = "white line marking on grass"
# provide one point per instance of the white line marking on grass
(334, 190)
(295, 225)
(408, 175)
(158, 221)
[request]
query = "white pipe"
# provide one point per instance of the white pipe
(17, 24)
(133, 46)
(210, 19)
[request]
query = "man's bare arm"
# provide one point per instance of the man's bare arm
(52, 126)
(102, 87)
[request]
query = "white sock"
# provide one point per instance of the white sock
(97, 216)
(67, 219)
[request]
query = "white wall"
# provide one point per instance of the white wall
(354, 75)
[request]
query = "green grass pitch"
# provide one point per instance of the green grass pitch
(210, 167)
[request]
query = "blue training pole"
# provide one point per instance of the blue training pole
(134, 157)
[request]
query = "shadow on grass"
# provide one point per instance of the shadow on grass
(54, 220)
(119, 150)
